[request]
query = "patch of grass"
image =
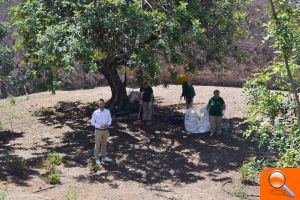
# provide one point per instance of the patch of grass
(12, 100)
(53, 177)
(16, 165)
(72, 195)
(93, 167)
(250, 171)
(242, 194)
(3, 193)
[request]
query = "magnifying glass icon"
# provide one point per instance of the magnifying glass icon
(277, 180)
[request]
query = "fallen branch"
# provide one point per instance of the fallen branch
(43, 189)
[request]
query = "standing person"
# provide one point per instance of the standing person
(188, 91)
(216, 107)
(147, 102)
(101, 120)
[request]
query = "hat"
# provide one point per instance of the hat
(183, 78)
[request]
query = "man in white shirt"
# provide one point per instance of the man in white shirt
(101, 120)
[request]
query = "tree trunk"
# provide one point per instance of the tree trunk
(294, 88)
(118, 89)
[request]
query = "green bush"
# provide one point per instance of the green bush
(72, 195)
(291, 158)
(53, 159)
(1, 126)
(16, 165)
(92, 166)
(3, 193)
(249, 171)
(53, 177)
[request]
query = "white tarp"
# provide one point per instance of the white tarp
(197, 122)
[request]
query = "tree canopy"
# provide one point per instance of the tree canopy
(105, 34)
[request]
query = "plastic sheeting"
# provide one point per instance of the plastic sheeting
(195, 122)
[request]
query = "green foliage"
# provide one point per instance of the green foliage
(16, 165)
(6, 63)
(53, 177)
(92, 166)
(250, 171)
(240, 56)
(1, 126)
(284, 28)
(241, 194)
(105, 34)
(72, 195)
(3, 193)
(2, 31)
(291, 158)
(273, 114)
(53, 159)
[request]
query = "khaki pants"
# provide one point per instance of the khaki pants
(101, 137)
(147, 111)
(215, 123)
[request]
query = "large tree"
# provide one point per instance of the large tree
(103, 35)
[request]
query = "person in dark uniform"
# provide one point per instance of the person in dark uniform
(147, 102)
(188, 91)
(216, 107)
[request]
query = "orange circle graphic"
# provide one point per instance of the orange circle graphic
(277, 179)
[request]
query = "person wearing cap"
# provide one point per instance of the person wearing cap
(188, 91)
(216, 107)
(101, 120)
(147, 101)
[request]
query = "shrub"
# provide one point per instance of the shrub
(249, 171)
(3, 193)
(1, 126)
(241, 194)
(53, 177)
(53, 159)
(72, 195)
(92, 166)
(291, 158)
(16, 165)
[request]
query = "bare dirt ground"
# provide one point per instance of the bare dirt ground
(158, 162)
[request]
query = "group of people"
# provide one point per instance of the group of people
(101, 118)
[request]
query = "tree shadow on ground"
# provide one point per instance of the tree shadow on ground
(13, 167)
(150, 155)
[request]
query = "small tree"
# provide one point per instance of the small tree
(274, 115)
(284, 28)
(104, 35)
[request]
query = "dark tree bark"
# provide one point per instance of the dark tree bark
(118, 88)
